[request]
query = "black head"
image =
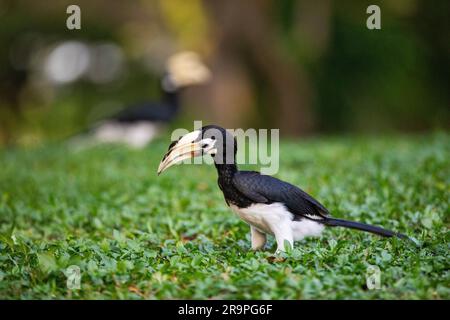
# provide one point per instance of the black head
(225, 144)
(211, 139)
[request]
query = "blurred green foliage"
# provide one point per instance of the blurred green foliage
(356, 79)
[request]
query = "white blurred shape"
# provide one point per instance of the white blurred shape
(186, 68)
(106, 62)
(136, 135)
(67, 62)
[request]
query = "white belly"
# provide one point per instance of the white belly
(136, 134)
(265, 217)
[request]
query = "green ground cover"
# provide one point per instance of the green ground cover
(135, 235)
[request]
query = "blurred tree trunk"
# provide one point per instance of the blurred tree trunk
(245, 29)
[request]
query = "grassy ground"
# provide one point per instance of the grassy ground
(135, 235)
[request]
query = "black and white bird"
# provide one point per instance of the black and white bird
(267, 204)
(138, 124)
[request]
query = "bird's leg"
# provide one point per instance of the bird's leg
(258, 238)
(283, 235)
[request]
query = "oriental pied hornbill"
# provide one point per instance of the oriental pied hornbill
(138, 124)
(267, 204)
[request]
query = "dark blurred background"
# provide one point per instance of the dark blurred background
(305, 67)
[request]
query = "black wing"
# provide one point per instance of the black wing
(266, 189)
(145, 111)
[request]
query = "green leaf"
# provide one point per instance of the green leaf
(47, 262)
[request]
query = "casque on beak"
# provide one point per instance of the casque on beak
(189, 146)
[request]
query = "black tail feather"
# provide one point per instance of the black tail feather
(364, 227)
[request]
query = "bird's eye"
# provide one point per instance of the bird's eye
(213, 138)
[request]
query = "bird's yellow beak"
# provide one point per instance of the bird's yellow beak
(186, 68)
(179, 153)
(187, 147)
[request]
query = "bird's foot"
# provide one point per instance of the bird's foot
(258, 248)
(284, 247)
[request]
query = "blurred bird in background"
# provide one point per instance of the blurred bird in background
(140, 123)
